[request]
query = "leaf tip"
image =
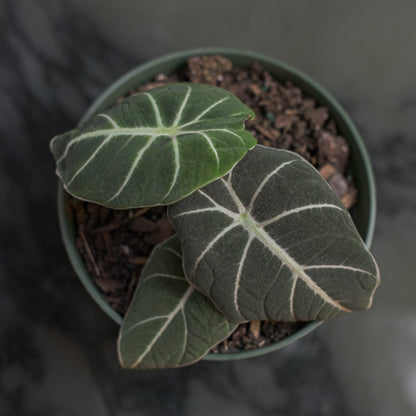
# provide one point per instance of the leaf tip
(252, 115)
(377, 277)
(52, 142)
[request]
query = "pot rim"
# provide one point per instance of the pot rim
(126, 82)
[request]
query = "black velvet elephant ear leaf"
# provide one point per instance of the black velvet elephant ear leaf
(271, 240)
(155, 147)
(168, 323)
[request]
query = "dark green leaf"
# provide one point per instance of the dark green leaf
(272, 241)
(169, 323)
(155, 147)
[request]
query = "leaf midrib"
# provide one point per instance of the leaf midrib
(147, 131)
(173, 131)
(131, 131)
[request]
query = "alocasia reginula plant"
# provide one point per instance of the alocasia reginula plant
(259, 233)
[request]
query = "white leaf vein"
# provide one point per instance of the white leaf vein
(211, 244)
(219, 207)
(266, 179)
(110, 119)
(296, 210)
(202, 210)
(185, 335)
(240, 272)
(208, 109)
(153, 275)
(341, 267)
(214, 150)
(210, 130)
(292, 296)
(172, 251)
(122, 131)
(133, 167)
(182, 107)
(145, 321)
(155, 110)
(177, 165)
(233, 195)
(89, 160)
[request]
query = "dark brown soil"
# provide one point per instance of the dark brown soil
(116, 244)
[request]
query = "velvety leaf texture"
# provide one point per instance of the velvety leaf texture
(168, 323)
(155, 147)
(271, 240)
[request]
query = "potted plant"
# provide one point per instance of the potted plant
(259, 233)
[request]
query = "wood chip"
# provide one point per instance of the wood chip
(89, 252)
(255, 329)
(333, 149)
(291, 111)
(350, 198)
(107, 241)
(115, 225)
(142, 224)
(255, 89)
(138, 260)
(285, 121)
(338, 184)
(327, 171)
(163, 232)
(131, 287)
(109, 285)
(317, 117)
(270, 133)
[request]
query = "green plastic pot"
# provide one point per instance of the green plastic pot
(363, 213)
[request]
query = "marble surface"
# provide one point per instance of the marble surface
(57, 349)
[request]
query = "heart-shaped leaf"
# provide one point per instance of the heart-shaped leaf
(155, 147)
(168, 323)
(272, 241)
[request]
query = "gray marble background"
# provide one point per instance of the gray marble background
(57, 349)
